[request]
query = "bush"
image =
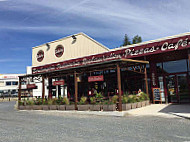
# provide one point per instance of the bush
(92, 100)
(114, 99)
(107, 102)
(83, 100)
(50, 102)
(132, 99)
(65, 101)
(38, 101)
(124, 99)
(30, 102)
(99, 97)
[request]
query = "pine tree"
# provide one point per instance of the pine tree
(126, 41)
(137, 39)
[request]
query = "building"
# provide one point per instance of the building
(77, 63)
(9, 85)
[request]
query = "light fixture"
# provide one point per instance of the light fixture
(48, 46)
(74, 39)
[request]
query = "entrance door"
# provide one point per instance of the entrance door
(177, 88)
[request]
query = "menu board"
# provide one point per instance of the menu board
(156, 94)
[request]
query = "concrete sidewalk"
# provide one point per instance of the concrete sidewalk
(165, 110)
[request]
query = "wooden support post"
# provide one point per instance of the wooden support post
(146, 81)
(19, 89)
(119, 86)
(43, 88)
(50, 88)
(76, 90)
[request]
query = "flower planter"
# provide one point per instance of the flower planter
(83, 107)
(147, 102)
(61, 107)
(70, 107)
(134, 105)
(28, 107)
(37, 107)
(95, 107)
(126, 107)
(139, 104)
(53, 107)
(21, 107)
(143, 103)
(45, 107)
(109, 107)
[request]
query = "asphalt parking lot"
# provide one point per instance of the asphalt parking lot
(36, 126)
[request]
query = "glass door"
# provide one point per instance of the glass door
(172, 89)
(183, 88)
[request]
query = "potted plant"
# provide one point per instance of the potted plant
(21, 105)
(63, 103)
(37, 104)
(125, 104)
(70, 106)
(29, 104)
(133, 102)
(83, 106)
(53, 105)
(110, 105)
(45, 105)
(94, 106)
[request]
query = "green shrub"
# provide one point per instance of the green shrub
(83, 100)
(124, 99)
(50, 102)
(99, 97)
(114, 99)
(38, 101)
(132, 99)
(65, 101)
(92, 100)
(108, 102)
(30, 102)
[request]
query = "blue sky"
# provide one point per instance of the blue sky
(28, 23)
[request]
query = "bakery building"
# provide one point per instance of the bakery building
(75, 65)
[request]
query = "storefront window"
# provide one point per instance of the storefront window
(14, 83)
(175, 66)
(8, 83)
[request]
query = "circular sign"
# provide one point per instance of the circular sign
(40, 55)
(59, 51)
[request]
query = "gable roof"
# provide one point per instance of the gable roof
(81, 33)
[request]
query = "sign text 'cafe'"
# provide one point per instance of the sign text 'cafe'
(137, 51)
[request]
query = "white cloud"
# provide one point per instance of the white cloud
(151, 19)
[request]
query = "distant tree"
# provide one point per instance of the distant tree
(126, 41)
(137, 39)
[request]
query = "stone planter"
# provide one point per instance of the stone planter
(83, 107)
(126, 106)
(45, 107)
(95, 107)
(69, 107)
(139, 104)
(28, 107)
(147, 102)
(21, 107)
(109, 107)
(37, 107)
(134, 105)
(61, 107)
(143, 103)
(53, 107)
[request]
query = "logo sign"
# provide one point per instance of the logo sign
(40, 56)
(95, 78)
(31, 86)
(60, 82)
(59, 51)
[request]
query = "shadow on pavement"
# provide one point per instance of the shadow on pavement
(180, 110)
